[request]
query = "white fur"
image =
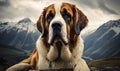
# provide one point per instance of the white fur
(75, 57)
(42, 52)
(53, 53)
(58, 17)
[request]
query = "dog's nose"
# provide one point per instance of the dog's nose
(56, 26)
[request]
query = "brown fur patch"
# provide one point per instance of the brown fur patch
(32, 60)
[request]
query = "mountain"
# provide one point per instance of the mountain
(104, 42)
(21, 35)
(17, 41)
(25, 21)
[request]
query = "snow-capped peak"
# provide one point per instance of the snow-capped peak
(25, 20)
(116, 29)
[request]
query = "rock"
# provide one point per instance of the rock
(104, 69)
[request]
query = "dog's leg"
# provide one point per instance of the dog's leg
(20, 67)
(26, 64)
(81, 66)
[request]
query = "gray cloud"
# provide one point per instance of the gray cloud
(88, 3)
(108, 6)
(4, 3)
(14, 10)
(113, 5)
(104, 7)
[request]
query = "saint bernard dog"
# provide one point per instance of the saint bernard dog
(59, 45)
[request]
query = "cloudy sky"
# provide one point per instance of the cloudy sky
(97, 11)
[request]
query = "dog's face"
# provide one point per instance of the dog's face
(60, 25)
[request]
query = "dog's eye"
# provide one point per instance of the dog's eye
(66, 16)
(50, 17)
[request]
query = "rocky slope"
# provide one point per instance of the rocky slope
(104, 42)
(21, 35)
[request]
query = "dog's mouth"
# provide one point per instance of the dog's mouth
(57, 43)
(56, 37)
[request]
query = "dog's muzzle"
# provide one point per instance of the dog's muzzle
(56, 26)
(57, 32)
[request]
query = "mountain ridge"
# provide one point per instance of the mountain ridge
(105, 39)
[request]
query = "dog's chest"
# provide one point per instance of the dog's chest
(44, 64)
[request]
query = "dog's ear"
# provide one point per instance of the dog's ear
(80, 20)
(40, 23)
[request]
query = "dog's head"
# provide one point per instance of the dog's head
(60, 25)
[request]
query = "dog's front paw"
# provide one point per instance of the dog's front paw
(19, 67)
(81, 66)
